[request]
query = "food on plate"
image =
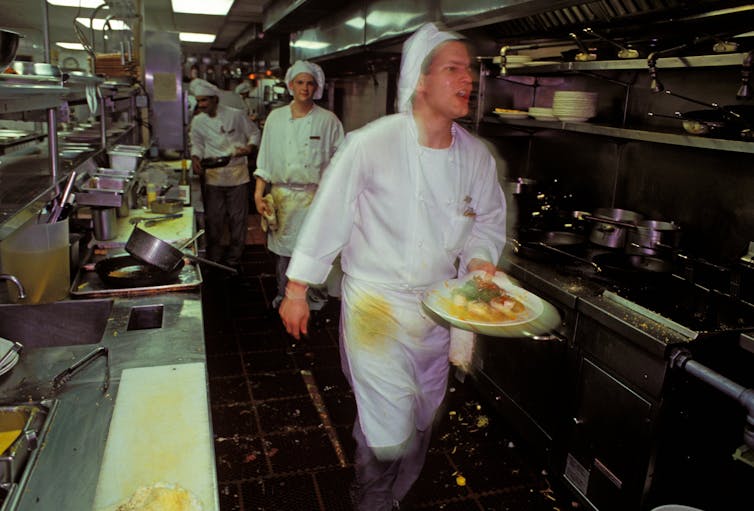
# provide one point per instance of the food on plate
(480, 299)
(509, 111)
(161, 497)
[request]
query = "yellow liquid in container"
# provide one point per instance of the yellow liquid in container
(44, 274)
(7, 438)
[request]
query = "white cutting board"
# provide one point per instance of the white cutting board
(159, 432)
(172, 230)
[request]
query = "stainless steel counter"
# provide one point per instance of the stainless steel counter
(66, 471)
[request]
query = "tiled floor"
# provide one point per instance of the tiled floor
(282, 415)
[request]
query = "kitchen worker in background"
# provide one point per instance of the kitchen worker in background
(217, 131)
(409, 200)
(298, 141)
(247, 90)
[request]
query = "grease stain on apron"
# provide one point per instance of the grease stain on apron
(372, 321)
(288, 203)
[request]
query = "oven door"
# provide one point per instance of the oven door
(525, 379)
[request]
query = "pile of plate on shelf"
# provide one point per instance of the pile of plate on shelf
(574, 105)
(542, 114)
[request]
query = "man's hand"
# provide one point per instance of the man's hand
(196, 166)
(263, 208)
(294, 309)
(482, 265)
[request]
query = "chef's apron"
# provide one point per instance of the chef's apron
(396, 359)
(292, 203)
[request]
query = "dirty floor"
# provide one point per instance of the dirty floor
(282, 415)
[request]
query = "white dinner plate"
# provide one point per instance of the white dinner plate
(542, 317)
(5, 345)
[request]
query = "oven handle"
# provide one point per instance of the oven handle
(548, 337)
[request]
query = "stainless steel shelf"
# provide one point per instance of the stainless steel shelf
(694, 61)
(657, 137)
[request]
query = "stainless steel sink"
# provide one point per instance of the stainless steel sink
(62, 323)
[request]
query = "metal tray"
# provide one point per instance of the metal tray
(88, 284)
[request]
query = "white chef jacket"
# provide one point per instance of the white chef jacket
(219, 136)
(292, 157)
(397, 223)
(401, 215)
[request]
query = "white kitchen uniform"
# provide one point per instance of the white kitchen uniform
(219, 136)
(403, 217)
(292, 157)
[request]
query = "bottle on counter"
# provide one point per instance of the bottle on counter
(151, 194)
(184, 188)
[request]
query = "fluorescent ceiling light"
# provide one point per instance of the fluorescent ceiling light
(192, 37)
(310, 45)
(88, 4)
(99, 24)
(71, 46)
(216, 7)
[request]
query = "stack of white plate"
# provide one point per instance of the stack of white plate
(574, 105)
(542, 114)
(12, 360)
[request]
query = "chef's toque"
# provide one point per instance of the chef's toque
(243, 88)
(199, 87)
(304, 66)
(415, 50)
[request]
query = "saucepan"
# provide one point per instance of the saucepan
(8, 47)
(653, 237)
(212, 163)
(152, 250)
(610, 226)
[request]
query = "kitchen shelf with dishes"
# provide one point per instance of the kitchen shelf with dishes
(658, 137)
(522, 119)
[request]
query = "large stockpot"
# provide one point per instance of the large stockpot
(653, 237)
(609, 229)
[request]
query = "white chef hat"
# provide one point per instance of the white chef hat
(415, 50)
(199, 87)
(304, 66)
(243, 88)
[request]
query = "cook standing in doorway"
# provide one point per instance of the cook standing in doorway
(298, 141)
(409, 200)
(218, 131)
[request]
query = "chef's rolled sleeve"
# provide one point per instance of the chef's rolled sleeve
(308, 269)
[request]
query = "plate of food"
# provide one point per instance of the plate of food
(493, 306)
(508, 113)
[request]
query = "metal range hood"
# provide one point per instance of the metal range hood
(376, 25)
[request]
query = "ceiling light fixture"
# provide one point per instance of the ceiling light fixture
(215, 7)
(310, 45)
(99, 24)
(87, 4)
(71, 46)
(193, 37)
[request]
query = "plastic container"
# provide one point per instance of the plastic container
(39, 256)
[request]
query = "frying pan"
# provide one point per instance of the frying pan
(152, 250)
(212, 163)
(547, 245)
(629, 266)
(110, 271)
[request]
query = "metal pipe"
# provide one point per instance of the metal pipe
(14, 279)
(46, 29)
(102, 118)
(682, 359)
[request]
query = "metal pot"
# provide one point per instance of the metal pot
(152, 250)
(610, 226)
(8, 47)
(653, 237)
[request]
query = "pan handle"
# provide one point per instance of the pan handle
(609, 221)
(191, 240)
(211, 263)
(568, 254)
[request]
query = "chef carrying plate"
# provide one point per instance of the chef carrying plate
(409, 200)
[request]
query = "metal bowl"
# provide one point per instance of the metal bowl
(8, 47)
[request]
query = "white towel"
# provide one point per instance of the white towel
(269, 221)
(462, 344)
